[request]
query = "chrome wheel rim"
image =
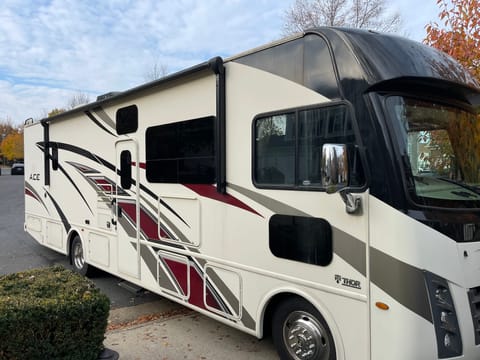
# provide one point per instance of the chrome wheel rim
(305, 337)
(78, 259)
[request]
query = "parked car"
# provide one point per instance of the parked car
(17, 169)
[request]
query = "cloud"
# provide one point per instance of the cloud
(54, 49)
(23, 97)
(416, 15)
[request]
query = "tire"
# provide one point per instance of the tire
(77, 257)
(299, 332)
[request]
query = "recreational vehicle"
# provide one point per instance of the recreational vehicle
(323, 189)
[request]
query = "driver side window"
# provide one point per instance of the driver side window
(288, 146)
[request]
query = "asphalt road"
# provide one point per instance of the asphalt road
(19, 251)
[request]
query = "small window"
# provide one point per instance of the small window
(288, 146)
(126, 169)
(127, 120)
(181, 152)
(303, 239)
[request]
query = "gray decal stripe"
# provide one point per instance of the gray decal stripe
(152, 264)
(274, 205)
(106, 119)
(403, 282)
(65, 222)
(183, 243)
(247, 319)
(349, 248)
(94, 119)
(147, 256)
(127, 226)
(183, 239)
(165, 268)
(231, 299)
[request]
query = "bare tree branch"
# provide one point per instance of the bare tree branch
(334, 12)
(78, 99)
(157, 71)
(365, 14)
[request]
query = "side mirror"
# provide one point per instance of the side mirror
(334, 167)
(335, 176)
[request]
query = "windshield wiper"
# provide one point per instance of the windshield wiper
(464, 194)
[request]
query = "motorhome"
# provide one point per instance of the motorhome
(323, 189)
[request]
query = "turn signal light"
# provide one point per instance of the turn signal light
(381, 305)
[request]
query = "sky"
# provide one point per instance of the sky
(53, 49)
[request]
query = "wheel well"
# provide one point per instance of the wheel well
(270, 310)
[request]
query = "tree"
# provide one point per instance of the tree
(6, 128)
(55, 112)
(460, 38)
(12, 146)
(460, 34)
(365, 14)
(78, 99)
(157, 71)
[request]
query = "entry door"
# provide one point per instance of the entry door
(127, 208)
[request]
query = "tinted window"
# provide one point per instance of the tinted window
(181, 152)
(315, 128)
(306, 61)
(126, 169)
(275, 149)
(299, 238)
(285, 60)
(288, 146)
(127, 120)
(319, 74)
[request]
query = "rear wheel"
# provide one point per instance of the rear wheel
(300, 333)
(77, 257)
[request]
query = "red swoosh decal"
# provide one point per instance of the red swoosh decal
(210, 191)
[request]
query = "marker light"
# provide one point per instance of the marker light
(381, 305)
(449, 340)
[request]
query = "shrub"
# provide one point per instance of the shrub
(51, 313)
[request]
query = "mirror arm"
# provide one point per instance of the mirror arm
(353, 203)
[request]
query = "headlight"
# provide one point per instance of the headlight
(449, 340)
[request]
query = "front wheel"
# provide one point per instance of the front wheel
(77, 258)
(300, 333)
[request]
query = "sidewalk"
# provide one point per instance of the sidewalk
(179, 333)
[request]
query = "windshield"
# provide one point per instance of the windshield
(440, 146)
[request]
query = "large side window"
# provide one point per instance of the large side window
(181, 152)
(288, 146)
